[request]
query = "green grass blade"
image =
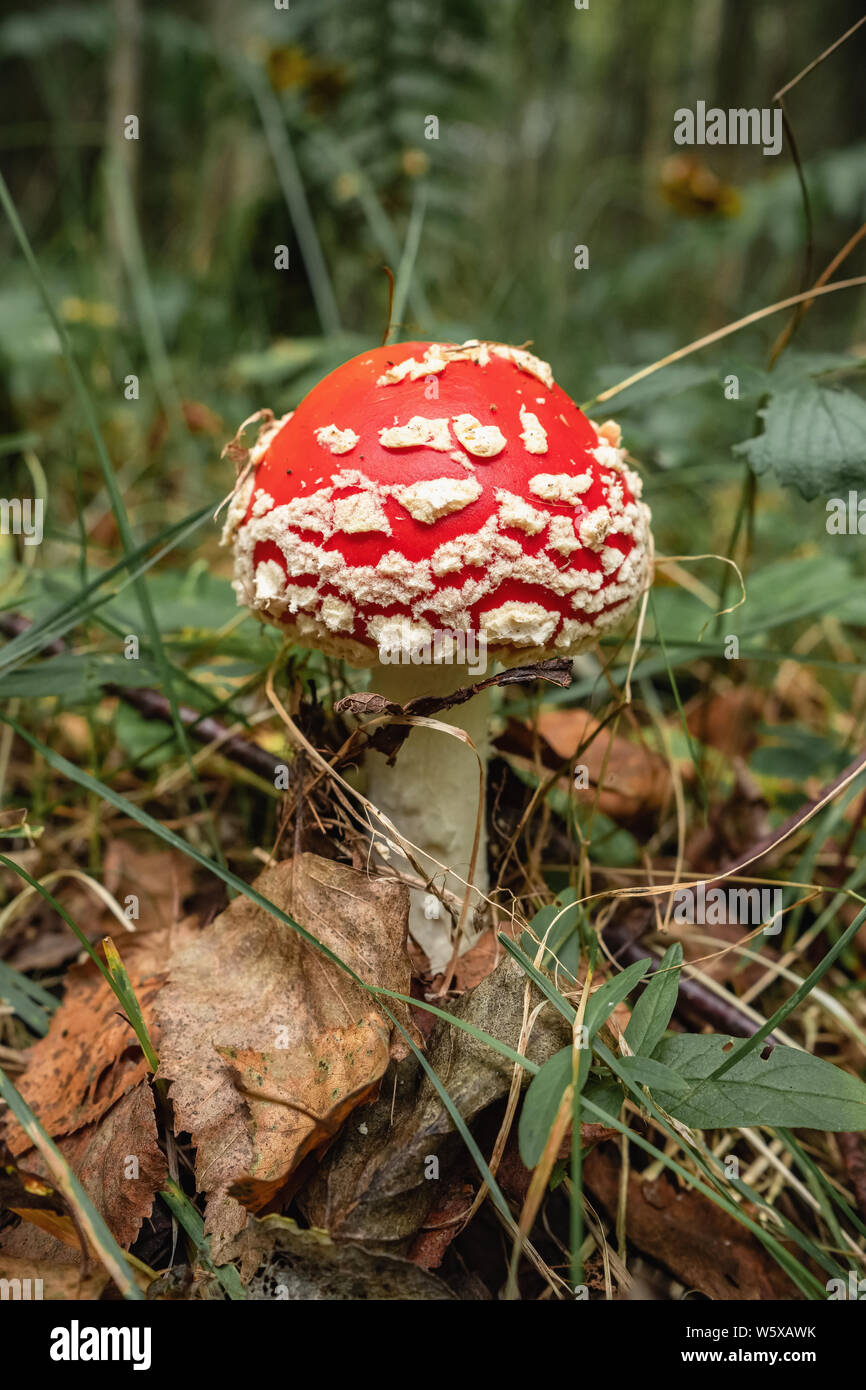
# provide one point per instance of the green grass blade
(109, 479)
(33, 1004)
(749, 1044)
(190, 1219)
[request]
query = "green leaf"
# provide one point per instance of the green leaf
(788, 1088)
(801, 1277)
(558, 1174)
(652, 1012)
(795, 754)
(605, 1093)
(137, 737)
(546, 1089)
(814, 439)
(541, 1103)
(125, 992)
(559, 925)
(648, 1071)
(603, 1002)
(612, 845)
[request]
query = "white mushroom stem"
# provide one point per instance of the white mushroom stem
(431, 797)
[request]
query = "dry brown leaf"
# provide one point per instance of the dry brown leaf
(57, 1281)
(733, 825)
(119, 1163)
(557, 670)
(635, 780)
(289, 1263)
(159, 879)
(389, 738)
(269, 1046)
(474, 965)
(375, 1184)
(27, 1193)
(22, 1187)
(120, 1166)
(514, 1177)
(444, 1221)
(705, 1248)
(636, 783)
(726, 719)
(90, 1056)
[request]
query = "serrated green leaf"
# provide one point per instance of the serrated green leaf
(814, 439)
(787, 1088)
(652, 1012)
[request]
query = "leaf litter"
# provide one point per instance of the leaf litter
(267, 1046)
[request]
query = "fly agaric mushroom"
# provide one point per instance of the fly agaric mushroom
(430, 489)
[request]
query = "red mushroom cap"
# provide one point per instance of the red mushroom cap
(429, 487)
